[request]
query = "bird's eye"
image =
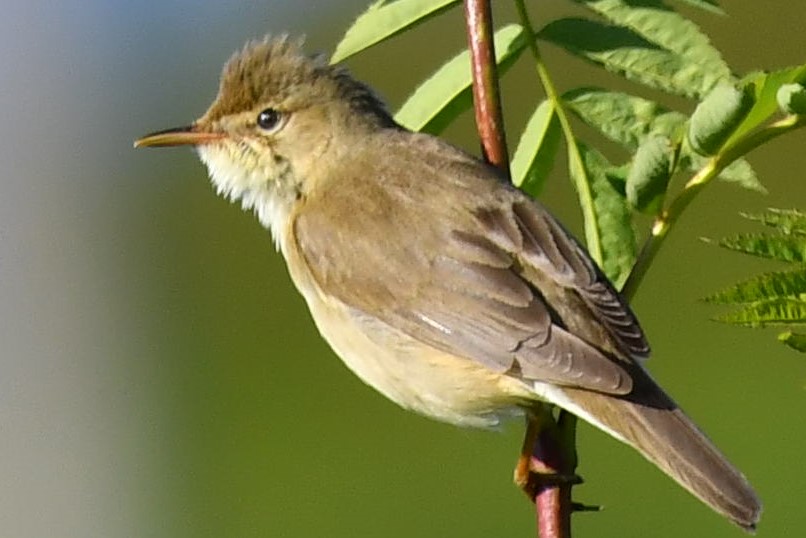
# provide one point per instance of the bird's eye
(269, 119)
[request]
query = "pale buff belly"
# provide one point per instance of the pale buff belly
(417, 376)
(412, 374)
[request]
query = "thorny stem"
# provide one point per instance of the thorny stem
(549, 450)
(554, 504)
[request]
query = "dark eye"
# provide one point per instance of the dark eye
(269, 119)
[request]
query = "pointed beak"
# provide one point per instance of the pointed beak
(178, 136)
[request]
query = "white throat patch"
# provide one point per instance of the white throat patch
(264, 189)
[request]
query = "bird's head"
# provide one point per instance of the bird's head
(269, 133)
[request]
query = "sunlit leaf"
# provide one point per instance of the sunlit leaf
(622, 51)
(447, 93)
(613, 220)
(792, 98)
(739, 171)
(537, 148)
(788, 248)
(707, 5)
(767, 286)
(769, 312)
(623, 118)
(618, 173)
(794, 340)
(787, 221)
(717, 117)
(776, 298)
(649, 174)
(765, 88)
(703, 67)
(383, 20)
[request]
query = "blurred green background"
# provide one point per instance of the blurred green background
(160, 377)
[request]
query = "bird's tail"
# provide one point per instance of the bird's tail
(651, 422)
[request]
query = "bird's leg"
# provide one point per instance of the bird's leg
(546, 470)
(544, 460)
(523, 467)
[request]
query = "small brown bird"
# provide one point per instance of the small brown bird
(437, 282)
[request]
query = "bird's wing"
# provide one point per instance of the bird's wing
(447, 253)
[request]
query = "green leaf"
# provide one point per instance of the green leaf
(792, 98)
(739, 171)
(537, 148)
(787, 221)
(612, 219)
(447, 93)
(628, 120)
(794, 340)
(649, 175)
(625, 119)
(707, 5)
(618, 173)
(383, 20)
(767, 286)
(788, 248)
(771, 312)
(765, 89)
(622, 51)
(702, 66)
(777, 297)
(717, 117)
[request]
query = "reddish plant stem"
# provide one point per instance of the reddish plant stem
(548, 449)
(486, 95)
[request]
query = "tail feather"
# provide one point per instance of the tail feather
(648, 420)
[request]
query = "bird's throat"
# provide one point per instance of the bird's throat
(269, 189)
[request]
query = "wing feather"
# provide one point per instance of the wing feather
(469, 265)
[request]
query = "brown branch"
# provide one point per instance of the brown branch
(486, 96)
(553, 500)
(545, 470)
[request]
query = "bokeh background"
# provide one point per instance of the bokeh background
(159, 377)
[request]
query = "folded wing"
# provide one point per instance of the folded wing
(464, 262)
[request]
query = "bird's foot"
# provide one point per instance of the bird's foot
(532, 477)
